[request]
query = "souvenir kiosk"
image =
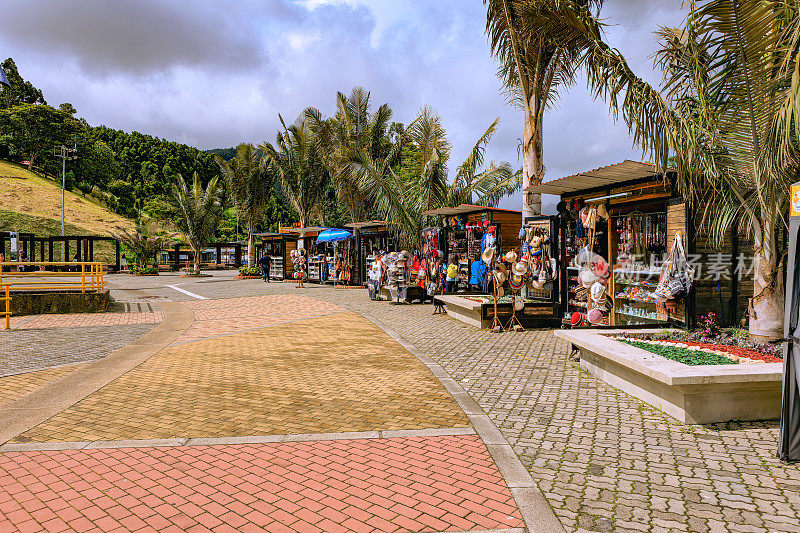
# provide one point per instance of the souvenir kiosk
(278, 246)
(617, 225)
(464, 231)
(371, 238)
(333, 256)
(305, 238)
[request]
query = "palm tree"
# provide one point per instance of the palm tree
(534, 67)
(412, 178)
(727, 115)
(487, 187)
(296, 162)
(200, 210)
(352, 128)
(249, 185)
(143, 242)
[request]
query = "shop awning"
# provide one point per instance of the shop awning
(600, 177)
(334, 235)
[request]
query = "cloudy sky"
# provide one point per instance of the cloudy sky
(213, 73)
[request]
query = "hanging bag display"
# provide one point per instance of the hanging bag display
(675, 279)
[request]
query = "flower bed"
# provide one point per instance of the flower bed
(681, 353)
(734, 347)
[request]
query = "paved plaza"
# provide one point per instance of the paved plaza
(316, 409)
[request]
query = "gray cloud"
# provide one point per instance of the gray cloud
(133, 36)
(214, 73)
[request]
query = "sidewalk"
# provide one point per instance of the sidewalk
(247, 420)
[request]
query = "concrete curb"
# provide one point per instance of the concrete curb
(217, 441)
(536, 511)
(29, 411)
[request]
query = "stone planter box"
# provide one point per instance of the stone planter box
(479, 314)
(59, 302)
(692, 394)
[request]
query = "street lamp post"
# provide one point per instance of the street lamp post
(64, 153)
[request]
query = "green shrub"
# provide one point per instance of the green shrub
(135, 269)
(249, 271)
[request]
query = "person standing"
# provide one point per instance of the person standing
(265, 262)
(452, 273)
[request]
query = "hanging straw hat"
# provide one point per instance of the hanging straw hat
(488, 255)
(499, 277)
(511, 256)
(502, 268)
(597, 291)
(601, 211)
(586, 278)
(516, 281)
(520, 268)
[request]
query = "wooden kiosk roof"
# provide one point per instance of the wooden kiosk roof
(466, 208)
(309, 231)
(366, 224)
(273, 235)
(600, 177)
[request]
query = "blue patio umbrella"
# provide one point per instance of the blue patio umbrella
(334, 235)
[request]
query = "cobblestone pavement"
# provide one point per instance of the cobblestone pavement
(604, 460)
(26, 350)
(336, 373)
(408, 484)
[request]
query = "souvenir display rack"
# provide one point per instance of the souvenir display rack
(463, 231)
(371, 237)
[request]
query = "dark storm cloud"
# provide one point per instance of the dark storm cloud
(133, 36)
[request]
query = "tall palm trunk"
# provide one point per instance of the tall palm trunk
(197, 256)
(767, 305)
(532, 161)
(251, 247)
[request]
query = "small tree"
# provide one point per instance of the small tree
(143, 242)
(249, 184)
(200, 210)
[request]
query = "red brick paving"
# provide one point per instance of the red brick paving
(222, 317)
(405, 484)
(76, 320)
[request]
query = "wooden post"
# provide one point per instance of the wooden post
(177, 264)
(218, 259)
(91, 249)
(117, 255)
(50, 249)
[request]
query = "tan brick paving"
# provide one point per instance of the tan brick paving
(16, 386)
(331, 374)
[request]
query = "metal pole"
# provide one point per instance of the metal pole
(63, 185)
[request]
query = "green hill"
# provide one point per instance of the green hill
(32, 203)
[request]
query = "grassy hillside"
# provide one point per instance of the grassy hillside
(37, 201)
